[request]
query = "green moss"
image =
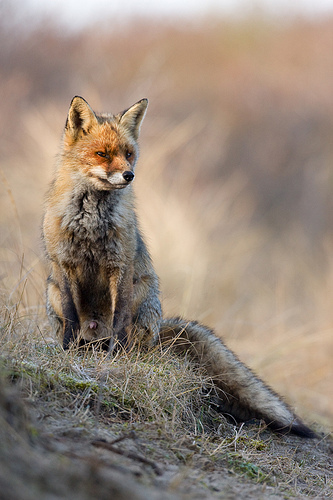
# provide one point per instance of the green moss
(73, 383)
(244, 467)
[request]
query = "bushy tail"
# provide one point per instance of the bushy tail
(241, 393)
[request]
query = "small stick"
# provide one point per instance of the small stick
(130, 435)
(109, 446)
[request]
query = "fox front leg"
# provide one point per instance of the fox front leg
(121, 285)
(71, 323)
(61, 308)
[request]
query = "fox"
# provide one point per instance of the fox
(102, 285)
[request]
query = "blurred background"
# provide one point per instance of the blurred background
(234, 183)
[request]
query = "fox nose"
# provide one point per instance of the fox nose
(128, 176)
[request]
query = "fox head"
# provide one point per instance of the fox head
(102, 148)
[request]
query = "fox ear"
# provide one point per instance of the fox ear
(80, 117)
(132, 117)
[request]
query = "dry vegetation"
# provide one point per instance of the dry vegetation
(138, 425)
(234, 196)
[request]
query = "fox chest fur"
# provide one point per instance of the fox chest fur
(97, 232)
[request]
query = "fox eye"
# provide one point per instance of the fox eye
(101, 154)
(129, 154)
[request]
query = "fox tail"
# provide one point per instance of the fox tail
(240, 392)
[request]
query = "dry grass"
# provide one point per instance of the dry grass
(152, 404)
(134, 387)
(80, 396)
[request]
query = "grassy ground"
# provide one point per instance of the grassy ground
(139, 424)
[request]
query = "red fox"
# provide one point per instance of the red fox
(102, 284)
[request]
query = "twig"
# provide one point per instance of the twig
(110, 446)
(130, 435)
